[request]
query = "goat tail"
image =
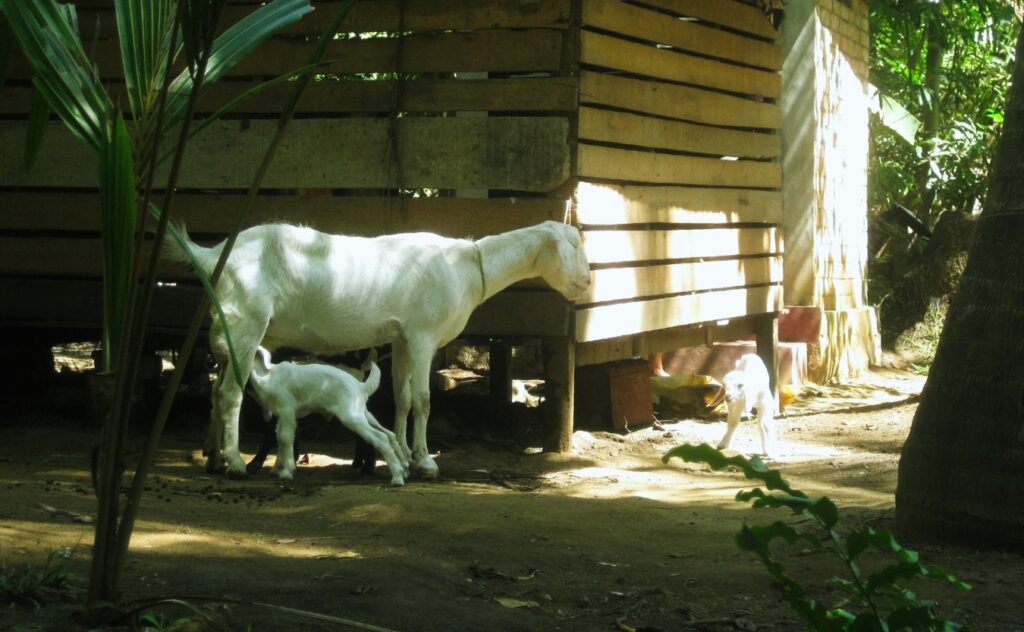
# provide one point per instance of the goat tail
(260, 366)
(181, 249)
(372, 382)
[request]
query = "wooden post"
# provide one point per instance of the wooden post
(766, 332)
(559, 389)
(500, 388)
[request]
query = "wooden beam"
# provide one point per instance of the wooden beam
(648, 60)
(509, 153)
(215, 214)
(679, 102)
(612, 163)
(618, 284)
(331, 96)
(620, 319)
(492, 50)
(621, 246)
(740, 16)
(612, 205)
(669, 30)
(623, 128)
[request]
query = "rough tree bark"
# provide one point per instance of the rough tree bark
(961, 474)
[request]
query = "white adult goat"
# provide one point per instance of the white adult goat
(289, 286)
(289, 390)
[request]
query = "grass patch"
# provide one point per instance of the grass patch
(33, 585)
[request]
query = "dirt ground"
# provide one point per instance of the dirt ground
(508, 539)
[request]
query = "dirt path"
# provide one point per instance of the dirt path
(508, 540)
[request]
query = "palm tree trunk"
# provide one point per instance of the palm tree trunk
(960, 474)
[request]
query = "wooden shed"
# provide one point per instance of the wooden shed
(653, 125)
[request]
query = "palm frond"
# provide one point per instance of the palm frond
(38, 121)
(48, 35)
(144, 33)
(117, 218)
(232, 46)
(6, 47)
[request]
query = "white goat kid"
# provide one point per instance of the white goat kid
(747, 387)
(289, 391)
(288, 286)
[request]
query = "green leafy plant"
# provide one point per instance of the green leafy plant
(159, 623)
(33, 584)
(879, 601)
(171, 50)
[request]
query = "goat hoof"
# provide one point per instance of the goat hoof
(397, 481)
(426, 468)
(215, 465)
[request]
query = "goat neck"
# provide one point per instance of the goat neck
(509, 257)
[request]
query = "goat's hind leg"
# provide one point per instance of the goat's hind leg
(766, 426)
(284, 465)
(380, 442)
(392, 441)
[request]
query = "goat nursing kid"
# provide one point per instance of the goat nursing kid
(747, 387)
(289, 391)
(290, 286)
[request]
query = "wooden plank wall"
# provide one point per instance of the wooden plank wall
(679, 167)
(460, 126)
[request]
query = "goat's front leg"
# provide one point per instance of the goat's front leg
(419, 380)
(214, 445)
(403, 396)
(735, 413)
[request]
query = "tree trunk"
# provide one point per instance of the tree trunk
(960, 474)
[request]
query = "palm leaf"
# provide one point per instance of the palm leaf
(48, 36)
(117, 220)
(144, 32)
(231, 47)
(6, 47)
(38, 121)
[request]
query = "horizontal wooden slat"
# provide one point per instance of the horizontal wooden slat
(382, 15)
(735, 15)
(610, 163)
(78, 303)
(641, 23)
(368, 216)
(510, 153)
(640, 345)
(544, 94)
(620, 246)
(604, 204)
(464, 51)
(616, 284)
(679, 102)
(609, 321)
(648, 60)
(623, 128)
(62, 257)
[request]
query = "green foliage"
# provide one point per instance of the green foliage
(876, 601)
(947, 166)
(159, 623)
(32, 584)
